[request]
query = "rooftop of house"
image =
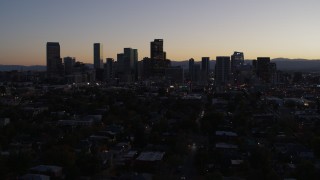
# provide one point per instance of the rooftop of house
(150, 156)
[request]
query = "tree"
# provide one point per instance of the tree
(210, 122)
(260, 159)
(214, 176)
(316, 146)
(60, 155)
(18, 162)
(88, 164)
(305, 170)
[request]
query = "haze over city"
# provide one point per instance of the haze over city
(190, 29)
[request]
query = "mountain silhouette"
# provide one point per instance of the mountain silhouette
(283, 64)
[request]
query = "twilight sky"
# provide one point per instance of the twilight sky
(190, 28)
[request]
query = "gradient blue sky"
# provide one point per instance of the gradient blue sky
(190, 28)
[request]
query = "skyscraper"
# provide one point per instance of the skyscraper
(222, 70)
(196, 73)
(154, 67)
(97, 56)
(135, 63)
(205, 62)
(263, 69)
(205, 68)
(273, 73)
(127, 64)
(237, 60)
(156, 50)
(191, 69)
(174, 74)
(68, 65)
(54, 62)
(128, 59)
(109, 69)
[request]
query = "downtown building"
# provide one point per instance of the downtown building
(222, 70)
(265, 70)
(237, 62)
(70, 71)
(97, 56)
(174, 75)
(55, 69)
(69, 63)
(98, 61)
(194, 72)
(205, 69)
(191, 70)
(156, 50)
(127, 65)
(154, 67)
(109, 70)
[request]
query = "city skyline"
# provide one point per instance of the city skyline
(190, 29)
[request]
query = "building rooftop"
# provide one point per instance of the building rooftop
(226, 146)
(150, 156)
(226, 133)
(34, 177)
(47, 168)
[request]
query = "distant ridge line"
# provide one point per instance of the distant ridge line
(284, 64)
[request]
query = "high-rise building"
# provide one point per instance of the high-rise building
(68, 64)
(222, 70)
(191, 69)
(263, 69)
(109, 69)
(196, 73)
(98, 55)
(120, 65)
(154, 67)
(273, 73)
(156, 50)
(128, 56)
(135, 63)
(174, 74)
(127, 64)
(147, 67)
(205, 68)
(54, 62)
(205, 64)
(237, 60)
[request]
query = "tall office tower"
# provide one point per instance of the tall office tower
(191, 69)
(97, 56)
(109, 69)
(205, 62)
(222, 70)
(174, 74)
(263, 69)
(237, 60)
(135, 63)
(156, 50)
(154, 67)
(127, 63)
(128, 59)
(54, 62)
(68, 64)
(205, 68)
(196, 73)
(146, 68)
(273, 73)
(158, 61)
